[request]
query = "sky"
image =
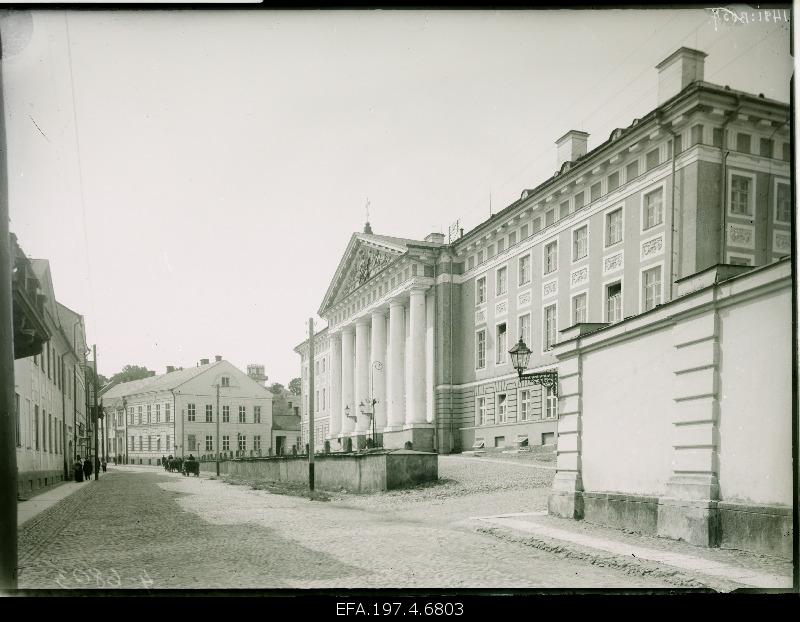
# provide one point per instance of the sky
(194, 177)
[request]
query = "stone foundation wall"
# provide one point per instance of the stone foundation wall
(29, 482)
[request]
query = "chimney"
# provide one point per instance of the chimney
(678, 71)
(170, 369)
(437, 238)
(571, 146)
(217, 358)
(204, 361)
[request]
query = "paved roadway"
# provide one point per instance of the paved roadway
(143, 528)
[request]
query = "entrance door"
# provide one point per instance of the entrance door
(279, 445)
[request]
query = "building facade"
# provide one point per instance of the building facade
(418, 332)
(176, 413)
(51, 424)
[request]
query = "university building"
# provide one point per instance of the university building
(419, 331)
(176, 413)
(51, 427)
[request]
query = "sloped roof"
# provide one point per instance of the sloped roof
(162, 382)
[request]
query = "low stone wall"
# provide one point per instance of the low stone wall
(367, 472)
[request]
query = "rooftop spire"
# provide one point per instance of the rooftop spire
(367, 228)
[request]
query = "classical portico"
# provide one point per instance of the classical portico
(377, 309)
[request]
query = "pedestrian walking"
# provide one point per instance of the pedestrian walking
(78, 469)
(104, 465)
(87, 468)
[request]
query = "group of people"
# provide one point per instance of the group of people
(83, 470)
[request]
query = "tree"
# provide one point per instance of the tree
(131, 372)
(295, 386)
(279, 404)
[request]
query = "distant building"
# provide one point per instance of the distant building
(176, 413)
(51, 427)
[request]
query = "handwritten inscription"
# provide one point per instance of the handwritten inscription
(724, 15)
(94, 578)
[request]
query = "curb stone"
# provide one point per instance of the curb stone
(640, 567)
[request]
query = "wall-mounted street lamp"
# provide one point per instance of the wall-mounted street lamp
(368, 408)
(520, 356)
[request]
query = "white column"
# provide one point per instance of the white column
(396, 371)
(378, 376)
(335, 398)
(347, 379)
(416, 411)
(362, 375)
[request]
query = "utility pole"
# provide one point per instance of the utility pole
(216, 445)
(95, 415)
(311, 403)
(8, 441)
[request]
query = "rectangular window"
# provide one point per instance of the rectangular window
(480, 290)
(563, 210)
(316, 402)
(551, 257)
(580, 200)
(149, 413)
(738, 260)
(209, 413)
(139, 415)
(549, 218)
(480, 349)
(242, 442)
(501, 283)
(523, 232)
(524, 404)
(613, 181)
(149, 443)
(740, 195)
(537, 224)
(524, 269)
(595, 191)
(512, 238)
(209, 443)
(716, 137)
(190, 412)
(550, 327)
(470, 265)
(491, 252)
(614, 227)
(158, 413)
(651, 159)
(132, 444)
(257, 442)
(49, 444)
(226, 381)
(226, 443)
(579, 309)
(580, 242)
(502, 405)
(481, 256)
(226, 414)
(743, 142)
(632, 171)
(141, 444)
(677, 145)
(243, 414)
(257, 410)
(167, 412)
(525, 328)
(783, 202)
(766, 147)
(786, 151)
(17, 421)
(696, 134)
(653, 208)
(651, 288)
(480, 409)
(550, 403)
(501, 245)
(502, 344)
(614, 302)
(192, 442)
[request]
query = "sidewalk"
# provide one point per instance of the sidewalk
(719, 569)
(28, 509)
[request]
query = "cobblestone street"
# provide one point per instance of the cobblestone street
(143, 528)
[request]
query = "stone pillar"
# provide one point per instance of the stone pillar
(335, 401)
(689, 509)
(396, 370)
(362, 396)
(416, 409)
(378, 376)
(566, 494)
(347, 380)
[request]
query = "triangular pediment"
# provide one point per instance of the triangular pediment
(365, 257)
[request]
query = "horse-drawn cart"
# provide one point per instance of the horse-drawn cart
(191, 467)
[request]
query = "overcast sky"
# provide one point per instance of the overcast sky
(194, 177)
